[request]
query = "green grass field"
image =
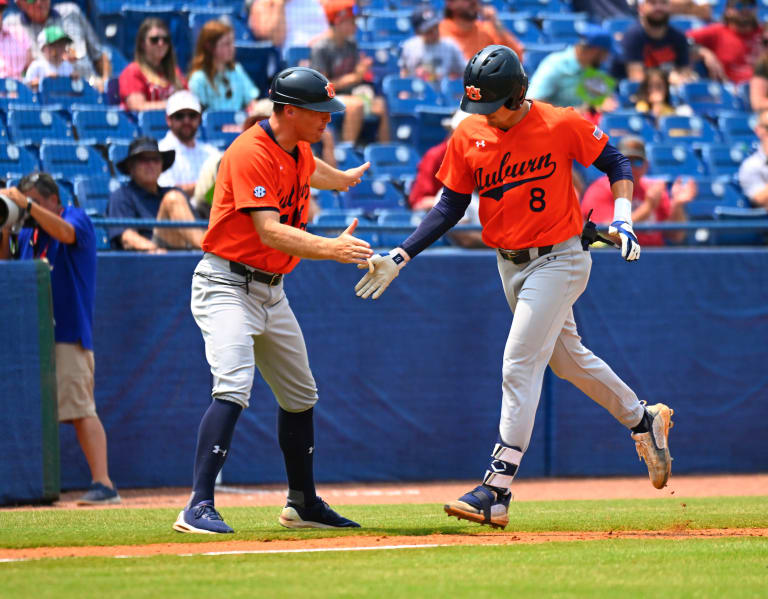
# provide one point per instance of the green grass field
(696, 567)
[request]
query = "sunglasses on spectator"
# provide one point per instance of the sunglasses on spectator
(156, 39)
(228, 90)
(190, 115)
(148, 158)
(637, 162)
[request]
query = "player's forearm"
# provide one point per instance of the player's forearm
(295, 242)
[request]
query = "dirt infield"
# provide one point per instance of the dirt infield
(392, 493)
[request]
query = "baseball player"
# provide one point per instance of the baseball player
(256, 236)
(517, 155)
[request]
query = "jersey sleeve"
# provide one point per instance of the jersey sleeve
(454, 172)
(254, 179)
(586, 140)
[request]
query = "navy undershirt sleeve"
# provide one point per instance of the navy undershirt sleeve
(614, 164)
(444, 215)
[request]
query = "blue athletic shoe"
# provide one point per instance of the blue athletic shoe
(483, 505)
(202, 519)
(316, 515)
(99, 494)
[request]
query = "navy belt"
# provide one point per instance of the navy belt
(523, 256)
(255, 275)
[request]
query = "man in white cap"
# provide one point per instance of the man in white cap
(182, 114)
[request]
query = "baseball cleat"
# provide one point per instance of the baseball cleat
(316, 515)
(653, 446)
(99, 494)
(201, 519)
(483, 505)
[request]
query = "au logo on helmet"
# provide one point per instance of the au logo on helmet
(329, 89)
(473, 93)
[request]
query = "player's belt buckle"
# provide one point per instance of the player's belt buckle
(526, 255)
(275, 280)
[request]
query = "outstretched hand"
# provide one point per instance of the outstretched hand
(349, 249)
(352, 176)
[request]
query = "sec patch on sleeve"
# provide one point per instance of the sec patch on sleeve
(260, 192)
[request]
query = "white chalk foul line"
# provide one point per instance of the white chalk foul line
(313, 550)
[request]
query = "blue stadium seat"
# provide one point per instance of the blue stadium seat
(16, 161)
(93, 193)
(152, 123)
(30, 126)
(116, 151)
(404, 94)
(372, 194)
(102, 125)
(327, 199)
(728, 213)
(627, 92)
(392, 27)
(391, 161)
(724, 160)
(397, 218)
(563, 30)
(616, 26)
(522, 27)
(67, 160)
(539, 7)
(347, 156)
(720, 191)
(686, 129)
(297, 56)
(67, 91)
(707, 98)
(385, 57)
(118, 60)
(535, 53)
(343, 218)
(738, 127)
(215, 120)
(261, 60)
(453, 91)
(617, 125)
(673, 159)
(404, 128)
(685, 22)
(14, 91)
(432, 126)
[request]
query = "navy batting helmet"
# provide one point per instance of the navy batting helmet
(493, 77)
(306, 88)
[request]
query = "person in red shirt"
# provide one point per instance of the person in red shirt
(517, 154)
(473, 26)
(650, 201)
(730, 49)
(257, 235)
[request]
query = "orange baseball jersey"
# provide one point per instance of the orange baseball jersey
(523, 175)
(256, 173)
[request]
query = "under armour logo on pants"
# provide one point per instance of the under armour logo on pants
(217, 449)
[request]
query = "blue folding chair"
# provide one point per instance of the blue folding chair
(672, 160)
(214, 122)
(563, 30)
(719, 190)
(116, 151)
(616, 26)
(152, 123)
(738, 127)
(433, 125)
(728, 213)
(347, 156)
(341, 219)
(370, 195)
(617, 125)
(93, 193)
(67, 160)
(297, 56)
(522, 27)
(392, 27)
(535, 53)
(261, 60)
(404, 94)
(707, 98)
(67, 91)
(453, 91)
(687, 129)
(13, 91)
(327, 199)
(31, 126)
(102, 125)
(386, 56)
(391, 161)
(627, 92)
(724, 160)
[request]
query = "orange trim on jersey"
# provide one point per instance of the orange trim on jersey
(523, 175)
(255, 172)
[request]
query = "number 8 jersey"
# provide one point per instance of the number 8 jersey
(523, 175)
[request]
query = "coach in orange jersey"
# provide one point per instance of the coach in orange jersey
(517, 154)
(257, 235)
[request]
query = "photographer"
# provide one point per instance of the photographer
(64, 236)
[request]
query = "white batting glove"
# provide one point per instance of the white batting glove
(382, 270)
(630, 248)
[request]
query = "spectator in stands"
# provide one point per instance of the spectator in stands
(654, 96)
(15, 48)
(599, 10)
(473, 26)
(701, 9)
(650, 201)
(753, 172)
(758, 84)
(731, 48)
(215, 78)
(143, 197)
(53, 43)
(153, 76)
(571, 76)
(337, 57)
(182, 114)
(426, 55)
(90, 60)
(286, 23)
(653, 43)
(65, 237)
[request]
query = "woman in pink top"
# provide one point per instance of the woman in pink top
(146, 83)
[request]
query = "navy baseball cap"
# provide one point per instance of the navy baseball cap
(424, 19)
(597, 37)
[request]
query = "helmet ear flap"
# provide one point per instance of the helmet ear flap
(516, 101)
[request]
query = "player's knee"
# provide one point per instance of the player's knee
(297, 403)
(239, 398)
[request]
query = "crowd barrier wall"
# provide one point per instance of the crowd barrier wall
(410, 383)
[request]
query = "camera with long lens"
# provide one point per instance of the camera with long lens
(10, 213)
